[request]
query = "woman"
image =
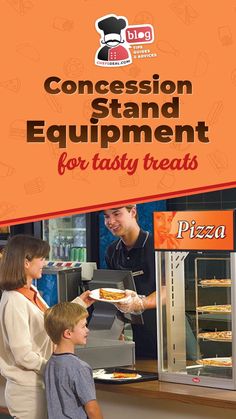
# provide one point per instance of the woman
(24, 344)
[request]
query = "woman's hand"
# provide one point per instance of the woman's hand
(85, 297)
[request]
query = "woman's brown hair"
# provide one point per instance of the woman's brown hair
(12, 266)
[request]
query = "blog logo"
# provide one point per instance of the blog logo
(117, 38)
(114, 50)
(137, 34)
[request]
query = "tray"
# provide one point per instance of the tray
(143, 376)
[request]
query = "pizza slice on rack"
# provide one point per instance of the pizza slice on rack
(215, 362)
(224, 335)
(226, 308)
(215, 282)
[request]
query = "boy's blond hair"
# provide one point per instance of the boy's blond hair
(61, 317)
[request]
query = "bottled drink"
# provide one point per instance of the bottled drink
(62, 248)
(55, 248)
(67, 248)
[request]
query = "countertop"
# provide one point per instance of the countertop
(190, 394)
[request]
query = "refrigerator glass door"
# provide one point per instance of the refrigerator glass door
(67, 237)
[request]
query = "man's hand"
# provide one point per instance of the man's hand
(133, 305)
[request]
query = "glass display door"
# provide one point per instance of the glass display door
(67, 237)
(196, 322)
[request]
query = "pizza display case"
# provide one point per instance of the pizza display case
(196, 297)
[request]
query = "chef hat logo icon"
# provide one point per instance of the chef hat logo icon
(114, 50)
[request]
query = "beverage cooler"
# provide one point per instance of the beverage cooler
(196, 297)
(67, 237)
(71, 238)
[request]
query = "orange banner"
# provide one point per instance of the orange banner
(108, 103)
(194, 230)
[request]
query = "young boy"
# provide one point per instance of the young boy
(70, 388)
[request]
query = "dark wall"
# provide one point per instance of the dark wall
(223, 199)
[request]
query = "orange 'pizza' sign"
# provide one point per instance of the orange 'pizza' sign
(194, 230)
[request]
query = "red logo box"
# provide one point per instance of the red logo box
(139, 34)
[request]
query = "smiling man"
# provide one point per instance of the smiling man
(134, 251)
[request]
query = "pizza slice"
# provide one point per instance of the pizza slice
(124, 374)
(216, 362)
(215, 282)
(224, 335)
(216, 308)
